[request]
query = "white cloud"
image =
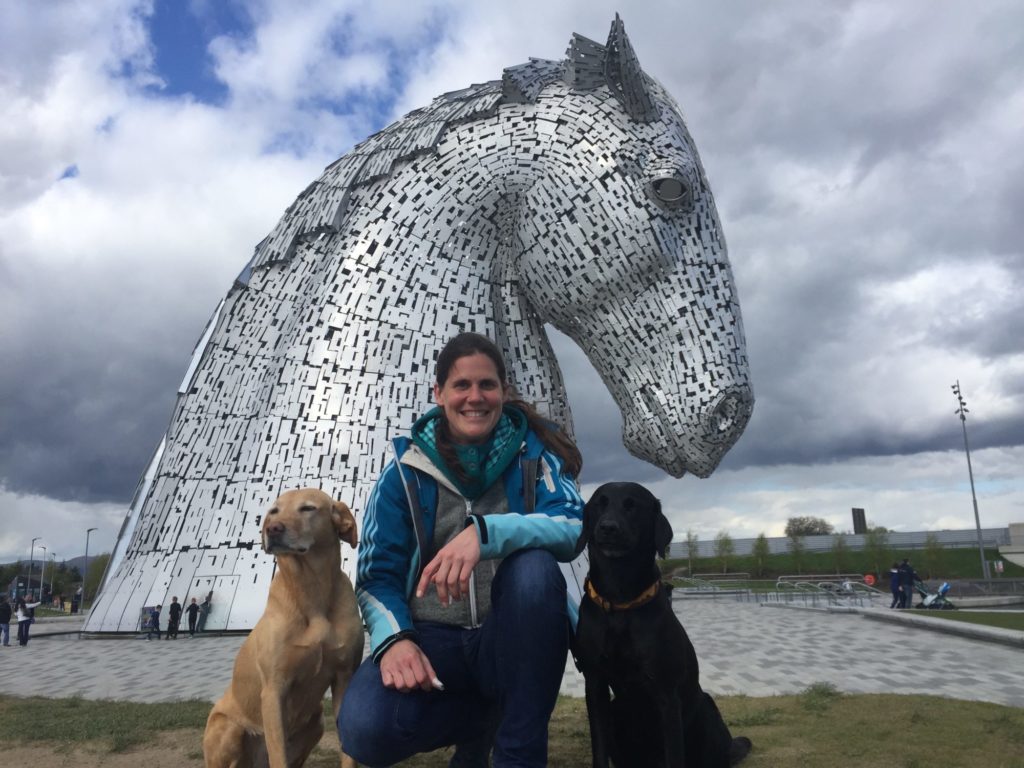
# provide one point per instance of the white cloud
(60, 525)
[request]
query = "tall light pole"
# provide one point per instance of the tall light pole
(962, 413)
(31, 562)
(42, 572)
(53, 572)
(85, 574)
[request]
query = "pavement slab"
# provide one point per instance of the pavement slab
(743, 648)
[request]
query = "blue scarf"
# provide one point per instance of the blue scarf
(481, 464)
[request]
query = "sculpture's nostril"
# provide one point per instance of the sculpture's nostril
(724, 416)
(728, 417)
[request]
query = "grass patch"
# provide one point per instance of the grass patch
(118, 725)
(818, 728)
(568, 739)
(818, 697)
(1002, 619)
(822, 728)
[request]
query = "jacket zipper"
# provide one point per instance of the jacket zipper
(472, 579)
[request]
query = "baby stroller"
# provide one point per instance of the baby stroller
(935, 600)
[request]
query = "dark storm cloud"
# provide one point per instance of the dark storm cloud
(818, 448)
(89, 382)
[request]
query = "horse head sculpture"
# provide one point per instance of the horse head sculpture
(643, 283)
(569, 192)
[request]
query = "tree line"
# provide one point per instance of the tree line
(59, 578)
(876, 549)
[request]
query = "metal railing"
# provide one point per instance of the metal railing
(819, 592)
(826, 590)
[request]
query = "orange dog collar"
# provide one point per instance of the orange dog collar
(608, 606)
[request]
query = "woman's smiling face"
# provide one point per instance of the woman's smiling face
(471, 397)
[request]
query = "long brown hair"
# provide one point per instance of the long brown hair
(554, 439)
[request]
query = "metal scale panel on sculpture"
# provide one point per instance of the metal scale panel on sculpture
(569, 193)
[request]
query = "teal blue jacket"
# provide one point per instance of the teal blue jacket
(390, 556)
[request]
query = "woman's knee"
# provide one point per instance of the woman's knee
(533, 567)
(378, 726)
(530, 576)
(363, 719)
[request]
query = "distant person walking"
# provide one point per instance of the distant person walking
(907, 577)
(193, 614)
(5, 620)
(26, 612)
(173, 618)
(204, 612)
(894, 585)
(154, 623)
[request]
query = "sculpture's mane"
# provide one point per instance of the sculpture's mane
(320, 208)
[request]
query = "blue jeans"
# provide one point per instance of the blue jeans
(5, 634)
(514, 661)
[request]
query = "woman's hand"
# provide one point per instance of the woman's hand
(451, 567)
(405, 667)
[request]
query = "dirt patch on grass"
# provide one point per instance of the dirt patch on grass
(169, 749)
(172, 749)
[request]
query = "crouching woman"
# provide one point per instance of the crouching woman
(458, 577)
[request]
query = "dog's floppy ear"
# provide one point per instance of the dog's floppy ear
(581, 542)
(662, 531)
(344, 523)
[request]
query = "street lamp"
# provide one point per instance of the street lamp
(962, 413)
(42, 572)
(53, 572)
(86, 572)
(31, 562)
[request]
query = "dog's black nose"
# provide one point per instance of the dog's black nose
(608, 527)
(276, 529)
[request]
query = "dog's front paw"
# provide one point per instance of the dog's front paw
(739, 749)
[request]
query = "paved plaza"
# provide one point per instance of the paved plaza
(744, 648)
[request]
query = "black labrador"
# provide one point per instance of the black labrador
(630, 645)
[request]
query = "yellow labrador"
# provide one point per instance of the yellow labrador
(309, 638)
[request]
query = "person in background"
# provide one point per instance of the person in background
(173, 618)
(480, 505)
(204, 611)
(5, 620)
(154, 623)
(26, 611)
(907, 578)
(193, 614)
(894, 586)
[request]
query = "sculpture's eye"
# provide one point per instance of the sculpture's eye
(672, 191)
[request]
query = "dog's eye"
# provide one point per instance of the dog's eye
(603, 501)
(273, 511)
(308, 508)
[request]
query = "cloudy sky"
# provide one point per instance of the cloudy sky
(867, 159)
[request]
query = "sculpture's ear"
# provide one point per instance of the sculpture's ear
(662, 531)
(584, 64)
(625, 78)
